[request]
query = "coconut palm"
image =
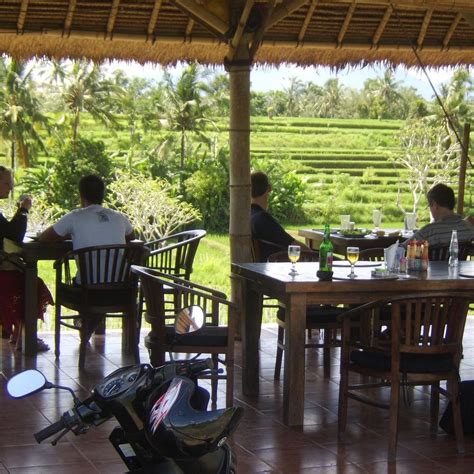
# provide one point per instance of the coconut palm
(184, 111)
(331, 99)
(20, 111)
(84, 88)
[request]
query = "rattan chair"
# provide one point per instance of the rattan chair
(441, 252)
(173, 255)
(422, 347)
(211, 339)
(107, 288)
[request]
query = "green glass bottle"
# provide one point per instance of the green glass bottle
(326, 251)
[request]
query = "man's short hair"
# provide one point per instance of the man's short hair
(260, 183)
(442, 195)
(92, 189)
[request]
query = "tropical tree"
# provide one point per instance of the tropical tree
(456, 97)
(84, 88)
(331, 99)
(182, 110)
(424, 152)
(21, 115)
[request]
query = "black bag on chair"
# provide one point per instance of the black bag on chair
(466, 398)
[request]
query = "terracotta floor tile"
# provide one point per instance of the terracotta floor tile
(261, 442)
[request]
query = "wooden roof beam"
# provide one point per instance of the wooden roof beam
(202, 16)
(239, 31)
(69, 16)
(153, 18)
(347, 22)
(22, 16)
(112, 17)
(451, 30)
(381, 28)
(257, 39)
(424, 27)
(283, 10)
(307, 19)
(189, 28)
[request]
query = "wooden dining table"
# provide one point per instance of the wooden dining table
(314, 237)
(31, 252)
(296, 292)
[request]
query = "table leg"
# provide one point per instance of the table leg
(250, 326)
(293, 388)
(29, 333)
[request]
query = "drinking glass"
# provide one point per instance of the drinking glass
(377, 218)
(352, 256)
(410, 221)
(345, 219)
(294, 252)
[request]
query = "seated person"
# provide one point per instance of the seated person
(441, 201)
(92, 225)
(12, 280)
(263, 225)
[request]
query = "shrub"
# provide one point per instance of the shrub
(150, 206)
(75, 160)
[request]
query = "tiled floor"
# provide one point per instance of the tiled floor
(261, 442)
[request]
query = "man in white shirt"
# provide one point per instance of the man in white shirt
(92, 225)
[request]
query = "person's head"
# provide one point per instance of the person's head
(260, 184)
(6, 182)
(91, 189)
(440, 199)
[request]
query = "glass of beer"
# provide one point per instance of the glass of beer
(352, 256)
(294, 252)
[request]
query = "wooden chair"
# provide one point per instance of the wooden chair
(257, 245)
(372, 255)
(173, 255)
(107, 288)
(324, 318)
(441, 252)
(423, 347)
(211, 339)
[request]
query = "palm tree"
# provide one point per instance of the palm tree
(20, 111)
(331, 99)
(184, 111)
(85, 89)
(385, 95)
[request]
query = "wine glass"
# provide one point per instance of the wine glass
(377, 218)
(352, 256)
(294, 252)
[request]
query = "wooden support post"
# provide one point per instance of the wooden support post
(239, 140)
(462, 168)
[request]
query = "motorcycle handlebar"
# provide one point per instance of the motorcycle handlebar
(50, 430)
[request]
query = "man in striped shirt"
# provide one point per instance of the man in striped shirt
(441, 201)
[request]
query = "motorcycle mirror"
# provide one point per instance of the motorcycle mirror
(26, 383)
(189, 319)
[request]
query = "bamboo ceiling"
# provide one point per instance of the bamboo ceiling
(304, 32)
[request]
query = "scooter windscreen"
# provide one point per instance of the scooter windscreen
(174, 428)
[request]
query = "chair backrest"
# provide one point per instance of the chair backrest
(174, 255)
(106, 266)
(155, 285)
(439, 253)
(371, 255)
(260, 248)
(305, 256)
(421, 323)
(11, 261)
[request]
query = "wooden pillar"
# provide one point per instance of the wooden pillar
(239, 167)
(462, 168)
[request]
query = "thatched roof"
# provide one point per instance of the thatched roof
(304, 32)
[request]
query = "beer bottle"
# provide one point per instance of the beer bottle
(325, 251)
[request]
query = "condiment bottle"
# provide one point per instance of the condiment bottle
(425, 256)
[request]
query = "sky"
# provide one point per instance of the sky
(264, 79)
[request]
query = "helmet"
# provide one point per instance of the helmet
(175, 429)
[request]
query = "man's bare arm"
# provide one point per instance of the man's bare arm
(50, 235)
